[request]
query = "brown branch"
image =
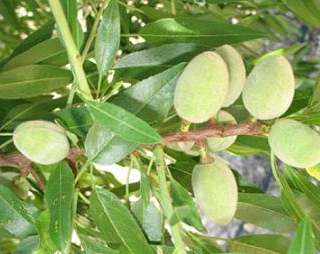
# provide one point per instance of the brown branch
(253, 129)
(19, 160)
(250, 128)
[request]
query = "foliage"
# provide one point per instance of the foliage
(105, 72)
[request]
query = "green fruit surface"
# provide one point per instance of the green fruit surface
(202, 88)
(269, 89)
(237, 72)
(216, 144)
(41, 141)
(295, 143)
(187, 147)
(215, 191)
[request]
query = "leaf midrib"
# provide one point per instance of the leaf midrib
(5, 85)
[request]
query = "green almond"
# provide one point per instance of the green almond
(202, 88)
(295, 143)
(269, 88)
(215, 191)
(237, 72)
(41, 141)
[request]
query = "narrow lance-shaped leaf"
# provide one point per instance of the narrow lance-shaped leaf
(264, 211)
(117, 224)
(181, 197)
(32, 80)
(302, 243)
(16, 216)
(59, 197)
(262, 244)
(41, 52)
(152, 98)
(156, 56)
(43, 33)
(202, 32)
(123, 123)
(108, 38)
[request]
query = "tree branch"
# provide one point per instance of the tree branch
(250, 128)
(200, 135)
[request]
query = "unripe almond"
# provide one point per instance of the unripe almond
(269, 88)
(295, 143)
(237, 72)
(217, 144)
(41, 141)
(202, 88)
(188, 147)
(215, 191)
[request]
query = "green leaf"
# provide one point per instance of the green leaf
(28, 111)
(264, 211)
(202, 32)
(42, 52)
(70, 10)
(179, 213)
(302, 243)
(16, 216)
(312, 212)
(43, 224)
(32, 80)
(108, 38)
(76, 120)
(308, 118)
(152, 98)
(59, 197)
(280, 52)
(303, 184)
(314, 102)
(254, 144)
(104, 147)
(122, 123)
(42, 34)
(205, 244)
(308, 11)
(181, 197)
(260, 244)
(162, 55)
(95, 246)
(287, 195)
(116, 224)
(150, 218)
(28, 245)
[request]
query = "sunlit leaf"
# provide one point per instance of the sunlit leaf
(123, 123)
